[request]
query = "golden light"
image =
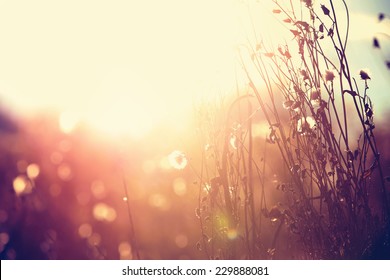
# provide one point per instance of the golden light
(33, 170)
(124, 250)
(64, 172)
(179, 186)
(143, 65)
(98, 189)
(232, 234)
(103, 212)
(177, 160)
(159, 201)
(19, 185)
(85, 230)
(22, 185)
(68, 121)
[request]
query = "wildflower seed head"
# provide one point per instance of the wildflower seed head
(304, 74)
(315, 94)
(296, 106)
(178, 160)
(365, 74)
(329, 76)
(308, 3)
(306, 124)
(287, 104)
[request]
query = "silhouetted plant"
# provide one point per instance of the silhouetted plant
(332, 200)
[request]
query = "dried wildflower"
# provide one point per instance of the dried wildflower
(296, 106)
(329, 76)
(270, 55)
(302, 24)
(287, 104)
(287, 54)
(365, 74)
(177, 160)
(325, 10)
(308, 3)
(315, 94)
(276, 11)
(295, 32)
(321, 28)
(306, 124)
(304, 74)
(330, 32)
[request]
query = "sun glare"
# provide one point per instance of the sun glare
(123, 67)
(191, 55)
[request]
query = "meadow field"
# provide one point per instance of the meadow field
(263, 140)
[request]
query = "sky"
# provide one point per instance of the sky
(126, 66)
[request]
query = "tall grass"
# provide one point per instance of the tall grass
(314, 188)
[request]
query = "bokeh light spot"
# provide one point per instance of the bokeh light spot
(85, 230)
(124, 250)
(22, 185)
(33, 170)
(232, 234)
(177, 160)
(98, 189)
(64, 172)
(181, 240)
(159, 201)
(179, 186)
(103, 212)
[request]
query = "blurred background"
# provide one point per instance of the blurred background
(97, 105)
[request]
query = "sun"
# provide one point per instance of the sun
(124, 103)
(156, 82)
